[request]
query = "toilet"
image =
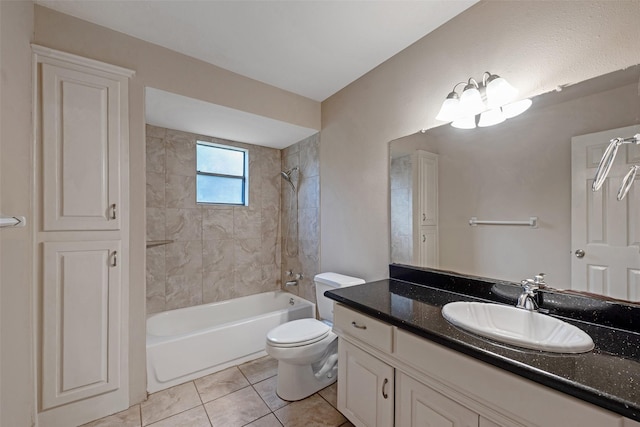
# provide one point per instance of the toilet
(307, 349)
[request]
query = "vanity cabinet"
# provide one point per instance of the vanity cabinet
(366, 395)
(420, 406)
(432, 385)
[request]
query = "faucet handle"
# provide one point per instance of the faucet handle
(539, 280)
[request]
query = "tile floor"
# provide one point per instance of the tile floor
(244, 395)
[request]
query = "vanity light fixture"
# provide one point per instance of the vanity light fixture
(491, 99)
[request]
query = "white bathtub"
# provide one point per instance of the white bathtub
(191, 342)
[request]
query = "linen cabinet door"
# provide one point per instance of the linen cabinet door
(81, 136)
(365, 387)
(420, 406)
(81, 321)
(428, 248)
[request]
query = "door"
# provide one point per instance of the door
(605, 232)
(365, 387)
(428, 249)
(81, 150)
(420, 406)
(81, 319)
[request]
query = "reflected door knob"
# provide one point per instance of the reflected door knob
(580, 253)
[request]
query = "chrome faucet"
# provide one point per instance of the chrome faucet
(528, 298)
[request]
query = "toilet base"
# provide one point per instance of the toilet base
(296, 382)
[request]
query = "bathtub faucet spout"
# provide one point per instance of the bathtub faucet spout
(291, 283)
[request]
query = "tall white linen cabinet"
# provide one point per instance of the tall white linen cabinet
(81, 219)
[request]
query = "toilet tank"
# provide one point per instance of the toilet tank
(326, 282)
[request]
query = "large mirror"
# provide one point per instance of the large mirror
(521, 170)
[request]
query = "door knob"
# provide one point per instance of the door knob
(580, 253)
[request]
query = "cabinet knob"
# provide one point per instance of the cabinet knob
(580, 253)
(384, 386)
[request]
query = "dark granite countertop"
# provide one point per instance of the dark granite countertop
(608, 376)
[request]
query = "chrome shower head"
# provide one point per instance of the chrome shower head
(607, 160)
(288, 176)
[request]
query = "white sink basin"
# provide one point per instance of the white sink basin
(518, 327)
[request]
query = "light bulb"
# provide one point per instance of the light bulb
(471, 102)
(499, 92)
(491, 117)
(450, 108)
(467, 122)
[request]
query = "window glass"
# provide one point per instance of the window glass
(221, 174)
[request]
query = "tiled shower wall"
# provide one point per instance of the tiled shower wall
(401, 211)
(219, 252)
(305, 255)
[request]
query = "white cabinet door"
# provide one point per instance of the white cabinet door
(428, 246)
(365, 387)
(420, 406)
(425, 209)
(81, 320)
(426, 186)
(81, 131)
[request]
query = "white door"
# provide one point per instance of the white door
(605, 232)
(81, 133)
(428, 248)
(80, 320)
(365, 387)
(420, 406)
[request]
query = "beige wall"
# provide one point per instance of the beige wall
(535, 45)
(218, 252)
(170, 71)
(17, 388)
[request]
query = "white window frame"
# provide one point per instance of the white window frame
(245, 177)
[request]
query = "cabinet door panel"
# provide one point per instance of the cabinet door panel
(365, 387)
(81, 321)
(427, 166)
(81, 133)
(429, 247)
(420, 406)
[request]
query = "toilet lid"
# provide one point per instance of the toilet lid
(298, 332)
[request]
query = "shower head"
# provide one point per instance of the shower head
(608, 157)
(288, 176)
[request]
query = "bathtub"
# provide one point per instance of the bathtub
(192, 342)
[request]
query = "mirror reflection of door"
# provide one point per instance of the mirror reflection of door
(605, 232)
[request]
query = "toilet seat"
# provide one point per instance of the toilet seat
(298, 333)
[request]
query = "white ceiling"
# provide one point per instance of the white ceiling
(311, 48)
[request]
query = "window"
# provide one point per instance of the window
(222, 174)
